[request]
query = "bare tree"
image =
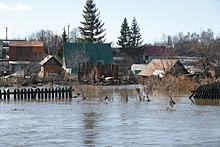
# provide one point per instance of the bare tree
(76, 57)
(207, 50)
(74, 35)
(49, 38)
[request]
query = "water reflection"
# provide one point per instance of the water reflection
(213, 102)
(89, 126)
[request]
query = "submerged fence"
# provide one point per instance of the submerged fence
(36, 93)
(207, 91)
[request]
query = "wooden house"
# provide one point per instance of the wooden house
(159, 67)
(50, 66)
(25, 55)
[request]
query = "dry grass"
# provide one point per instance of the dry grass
(169, 83)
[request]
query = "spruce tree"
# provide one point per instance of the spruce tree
(64, 36)
(135, 38)
(124, 39)
(64, 39)
(91, 31)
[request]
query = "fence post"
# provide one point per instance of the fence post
(22, 92)
(42, 93)
(5, 95)
(29, 93)
(56, 92)
(59, 92)
(49, 93)
(15, 94)
(18, 93)
(45, 92)
(8, 94)
(66, 92)
(63, 92)
(33, 94)
(38, 93)
(25, 93)
(70, 92)
(52, 92)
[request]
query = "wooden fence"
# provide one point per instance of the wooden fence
(109, 70)
(36, 93)
(207, 91)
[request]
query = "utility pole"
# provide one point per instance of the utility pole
(56, 50)
(6, 33)
(6, 30)
(68, 31)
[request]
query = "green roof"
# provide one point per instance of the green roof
(97, 52)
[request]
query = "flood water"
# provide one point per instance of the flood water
(91, 122)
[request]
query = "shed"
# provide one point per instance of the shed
(50, 66)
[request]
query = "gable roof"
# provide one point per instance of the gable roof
(155, 50)
(97, 52)
(158, 65)
(26, 43)
(47, 58)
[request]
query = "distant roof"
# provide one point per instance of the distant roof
(47, 58)
(155, 50)
(137, 66)
(26, 43)
(158, 65)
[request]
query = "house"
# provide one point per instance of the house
(77, 52)
(158, 67)
(153, 52)
(25, 55)
(50, 66)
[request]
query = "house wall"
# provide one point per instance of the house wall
(51, 69)
(25, 53)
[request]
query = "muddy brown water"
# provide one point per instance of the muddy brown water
(92, 122)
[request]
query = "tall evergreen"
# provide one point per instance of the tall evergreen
(91, 31)
(136, 38)
(64, 36)
(60, 48)
(124, 38)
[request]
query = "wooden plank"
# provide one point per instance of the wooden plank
(197, 91)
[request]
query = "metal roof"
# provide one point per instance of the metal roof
(155, 50)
